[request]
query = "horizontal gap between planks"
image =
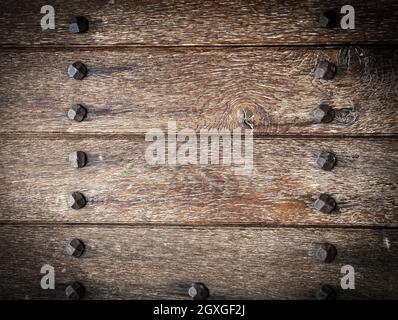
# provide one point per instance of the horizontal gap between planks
(121, 136)
(193, 226)
(194, 46)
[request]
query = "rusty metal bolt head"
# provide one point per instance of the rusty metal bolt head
(323, 113)
(78, 25)
(324, 252)
(329, 19)
(77, 159)
(326, 160)
(75, 291)
(75, 248)
(326, 292)
(325, 203)
(198, 291)
(76, 200)
(77, 112)
(325, 70)
(77, 70)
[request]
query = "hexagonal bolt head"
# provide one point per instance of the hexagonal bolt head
(77, 113)
(75, 291)
(323, 113)
(198, 291)
(324, 252)
(77, 70)
(326, 160)
(76, 200)
(325, 70)
(326, 292)
(75, 248)
(78, 25)
(77, 159)
(329, 19)
(325, 203)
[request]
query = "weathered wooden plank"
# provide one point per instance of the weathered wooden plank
(189, 22)
(161, 263)
(121, 187)
(132, 91)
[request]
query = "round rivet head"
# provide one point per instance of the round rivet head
(76, 200)
(75, 291)
(75, 248)
(77, 113)
(326, 292)
(324, 252)
(77, 70)
(325, 70)
(198, 291)
(329, 19)
(325, 203)
(326, 160)
(77, 159)
(78, 25)
(323, 113)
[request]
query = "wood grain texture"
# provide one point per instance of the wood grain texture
(190, 22)
(121, 187)
(161, 263)
(132, 91)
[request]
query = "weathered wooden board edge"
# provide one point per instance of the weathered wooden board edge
(161, 263)
(270, 90)
(196, 23)
(121, 187)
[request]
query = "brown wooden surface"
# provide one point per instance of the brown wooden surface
(150, 231)
(132, 91)
(121, 187)
(245, 263)
(190, 22)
